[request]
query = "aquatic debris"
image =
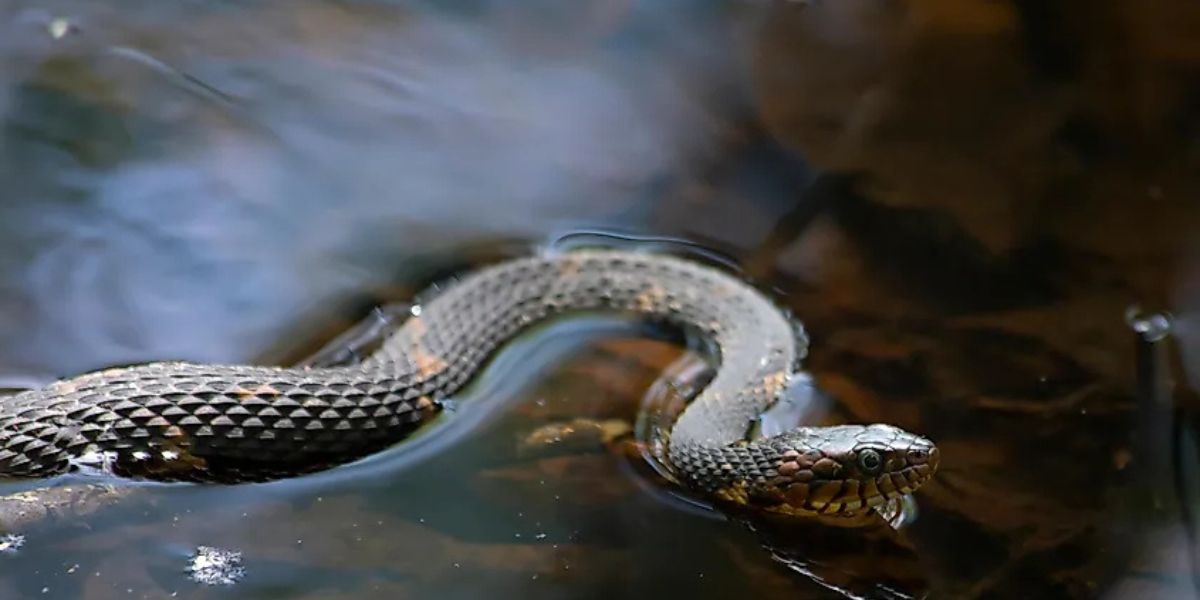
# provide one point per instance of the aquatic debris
(10, 543)
(214, 566)
(580, 434)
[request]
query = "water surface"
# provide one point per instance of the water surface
(961, 201)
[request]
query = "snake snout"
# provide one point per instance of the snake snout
(912, 461)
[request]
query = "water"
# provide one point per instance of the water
(961, 201)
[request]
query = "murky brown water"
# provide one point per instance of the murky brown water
(961, 200)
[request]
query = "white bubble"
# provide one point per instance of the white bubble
(11, 542)
(214, 566)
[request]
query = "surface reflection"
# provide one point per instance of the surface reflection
(960, 200)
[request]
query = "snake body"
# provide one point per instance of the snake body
(186, 421)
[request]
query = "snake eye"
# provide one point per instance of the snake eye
(870, 461)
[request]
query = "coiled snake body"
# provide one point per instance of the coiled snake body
(184, 421)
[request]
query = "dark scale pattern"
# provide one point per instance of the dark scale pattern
(200, 422)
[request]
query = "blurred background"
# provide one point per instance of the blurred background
(976, 207)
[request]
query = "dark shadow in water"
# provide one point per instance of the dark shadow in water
(922, 251)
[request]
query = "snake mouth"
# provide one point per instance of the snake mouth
(852, 496)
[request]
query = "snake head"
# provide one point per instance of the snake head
(846, 470)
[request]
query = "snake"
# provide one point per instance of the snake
(185, 421)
